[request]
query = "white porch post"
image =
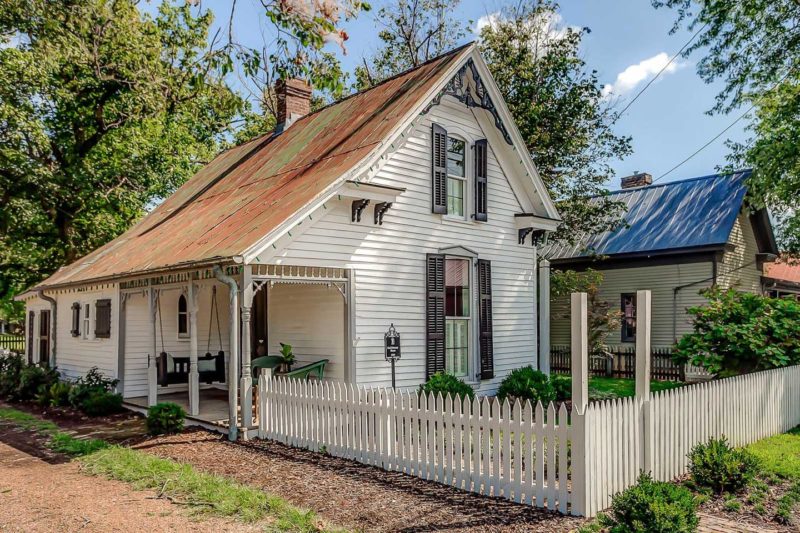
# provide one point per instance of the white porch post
(246, 385)
(544, 316)
(152, 368)
(643, 328)
(194, 376)
(580, 351)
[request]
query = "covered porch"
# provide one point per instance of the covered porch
(177, 331)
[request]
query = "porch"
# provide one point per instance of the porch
(213, 413)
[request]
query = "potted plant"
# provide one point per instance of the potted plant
(288, 358)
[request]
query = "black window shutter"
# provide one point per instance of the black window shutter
(481, 181)
(76, 319)
(434, 308)
(31, 318)
(485, 293)
(439, 172)
(102, 321)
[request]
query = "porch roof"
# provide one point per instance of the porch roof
(253, 188)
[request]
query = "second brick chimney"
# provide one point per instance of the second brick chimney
(294, 101)
(639, 179)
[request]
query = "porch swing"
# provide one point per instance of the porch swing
(210, 368)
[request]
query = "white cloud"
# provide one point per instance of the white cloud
(551, 24)
(632, 76)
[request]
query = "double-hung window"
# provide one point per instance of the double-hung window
(456, 177)
(457, 316)
(628, 308)
(87, 320)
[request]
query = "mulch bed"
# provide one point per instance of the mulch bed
(350, 494)
(747, 517)
(29, 442)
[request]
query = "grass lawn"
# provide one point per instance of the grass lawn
(58, 440)
(601, 388)
(780, 454)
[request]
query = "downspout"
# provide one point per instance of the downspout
(53, 308)
(233, 360)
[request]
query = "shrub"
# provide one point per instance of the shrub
(445, 384)
(562, 386)
(58, 394)
(652, 506)
(101, 403)
(720, 467)
(32, 381)
(93, 383)
(527, 384)
(738, 332)
(165, 417)
(10, 369)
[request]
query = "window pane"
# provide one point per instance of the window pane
(455, 197)
(455, 157)
(628, 316)
(456, 281)
(457, 347)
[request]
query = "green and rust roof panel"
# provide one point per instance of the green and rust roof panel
(247, 191)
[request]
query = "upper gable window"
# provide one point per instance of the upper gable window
(456, 176)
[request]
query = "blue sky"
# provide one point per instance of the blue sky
(628, 43)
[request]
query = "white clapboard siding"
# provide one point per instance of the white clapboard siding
(481, 446)
(743, 409)
(388, 260)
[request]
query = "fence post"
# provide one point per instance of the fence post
(643, 360)
(580, 351)
(544, 316)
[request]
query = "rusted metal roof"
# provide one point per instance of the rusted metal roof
(247, 191)
(783, 270)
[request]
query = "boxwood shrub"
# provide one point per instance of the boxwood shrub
(444, 383)
(718, 466)
(164, 418)
(527, 384)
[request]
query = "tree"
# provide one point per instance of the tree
(738, 332)
(102, 111)
(601, 320)
(754, 47)
(560, 111)
(413, 31)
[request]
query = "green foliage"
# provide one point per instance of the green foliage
(10, 369)
(27, 421)
(563, 117)
(739, 332)
(562, 385)
(786, 505)
(203, 493)
(779, 455)
(652, 507)
(56, 395)
(32, 380)
(69, 445)
(287, 354)
(164, 418)
(527, 384)
(101, 403)
(731, 504)
(603, 388)
(754, 47)
(601, 318)
(445, 383)
(58, 441)
(718, 466)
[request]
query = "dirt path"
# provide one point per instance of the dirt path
(48, 495)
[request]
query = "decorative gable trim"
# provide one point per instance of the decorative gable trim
(468, 88)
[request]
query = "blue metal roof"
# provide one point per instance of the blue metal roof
(691, 213)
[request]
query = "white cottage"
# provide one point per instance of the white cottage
(413, 204)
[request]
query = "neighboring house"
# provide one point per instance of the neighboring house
(782, 278)
(678, 238)
(413, 204)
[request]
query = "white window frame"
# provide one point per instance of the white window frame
(87, 331)
(469, 147)
(182, 336)
(469, 377)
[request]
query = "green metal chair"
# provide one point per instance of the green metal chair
(304, 372)
(268, 361)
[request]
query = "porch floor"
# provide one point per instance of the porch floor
(213, 406)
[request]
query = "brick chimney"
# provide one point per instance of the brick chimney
(639, 179)
(294, 101)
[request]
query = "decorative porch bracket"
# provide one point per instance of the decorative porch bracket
(357, 208)
(522, 233)
(380, 210)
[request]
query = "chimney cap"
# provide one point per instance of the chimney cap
(638, 179)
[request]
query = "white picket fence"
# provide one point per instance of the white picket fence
(524, 454)
(656, 435)
(569, 462)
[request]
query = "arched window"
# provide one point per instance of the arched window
(183, 318)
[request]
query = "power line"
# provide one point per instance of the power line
(659, 73)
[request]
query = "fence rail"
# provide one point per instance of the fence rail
(13, 343)
(482, 446)
(621, 364)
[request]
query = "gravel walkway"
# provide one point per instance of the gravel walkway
(47, 495)
(350, 494)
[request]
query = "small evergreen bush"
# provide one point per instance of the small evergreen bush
(445, 384)
(527, 384)
(562, 386)
(652, 507)
(165, 417)
(720, 467)
(10, 369)
(101, 403)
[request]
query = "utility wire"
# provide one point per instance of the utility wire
(659, 73)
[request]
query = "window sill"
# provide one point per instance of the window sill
(456, 220)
